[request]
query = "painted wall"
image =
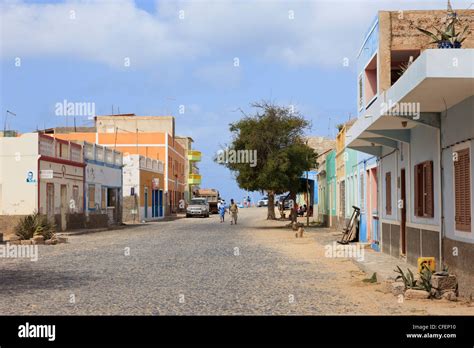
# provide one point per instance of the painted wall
(152, 144)
(69, 175)
(101, 176)
(364, 162)
(331, 182)
(18, 156)
(425, 146)
(140, 180)
(369, 47)
(352, 181)
(457, 125)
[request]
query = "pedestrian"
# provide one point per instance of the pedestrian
(233, 211)
(222, 210)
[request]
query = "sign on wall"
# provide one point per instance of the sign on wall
(46, 174)
(155, 183)
(30, 177)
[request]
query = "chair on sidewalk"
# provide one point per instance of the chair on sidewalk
(351, 231)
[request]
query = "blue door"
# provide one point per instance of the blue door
(160, 209)
(154, 203)
(363, 228)
(375, 233)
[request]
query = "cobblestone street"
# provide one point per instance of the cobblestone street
(193, 266)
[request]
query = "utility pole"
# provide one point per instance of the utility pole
(307, 199)
(6, 117)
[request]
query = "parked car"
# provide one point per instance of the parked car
(263, 202)
(285, 200)
(198, 207)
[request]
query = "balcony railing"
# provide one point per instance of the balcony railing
(194, 179)
(194, 155)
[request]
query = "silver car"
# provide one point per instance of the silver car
(263, 202)
(198, 207)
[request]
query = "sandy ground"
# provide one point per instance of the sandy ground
(371, 298)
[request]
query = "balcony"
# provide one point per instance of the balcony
(194, 179)
(437, 80)
(194, 156)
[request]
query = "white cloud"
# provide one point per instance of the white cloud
(322, 32)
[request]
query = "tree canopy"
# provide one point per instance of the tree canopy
(276, 135)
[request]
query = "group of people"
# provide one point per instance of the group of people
(303, 209)
(233, 211)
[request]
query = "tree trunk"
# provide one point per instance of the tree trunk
(294, 211)
(271, 206)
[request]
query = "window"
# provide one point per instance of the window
(388, 193)
(91, 196)
(111, 197)
(462, 191)
(370, 83)
(424, 203)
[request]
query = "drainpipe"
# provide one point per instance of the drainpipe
(441, 230)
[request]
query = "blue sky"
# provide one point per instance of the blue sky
(75, 50)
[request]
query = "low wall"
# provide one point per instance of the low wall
(7, 225)
(459, 257)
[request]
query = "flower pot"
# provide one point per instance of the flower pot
(457, 44)
(445, 44)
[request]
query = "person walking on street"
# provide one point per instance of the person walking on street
(222, 210)
(233, 211)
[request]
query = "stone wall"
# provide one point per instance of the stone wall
(405, 35)
(398, 31)
(459, 257)
(97, 221)
(130, 203)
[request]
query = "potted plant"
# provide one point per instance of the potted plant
(448, 38)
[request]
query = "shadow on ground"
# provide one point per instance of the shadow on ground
(24, 280)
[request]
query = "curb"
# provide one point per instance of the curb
(96, 230)
(370, 268)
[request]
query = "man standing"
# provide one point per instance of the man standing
(221, 209)
(233, 211)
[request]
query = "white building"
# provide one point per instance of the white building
(425, 160)
(144, 194)
(40, 173)
(103, 185)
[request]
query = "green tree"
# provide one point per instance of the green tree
(276, 133)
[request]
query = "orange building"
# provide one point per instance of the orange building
(149, 136)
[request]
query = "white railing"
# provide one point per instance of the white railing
(76, 154)
(46, 146)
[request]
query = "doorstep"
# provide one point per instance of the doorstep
(382, 264)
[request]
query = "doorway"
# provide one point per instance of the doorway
(50, 201)
(63, 207)
(146, 203)
(154, 203)
(403, 211)
(372, 209)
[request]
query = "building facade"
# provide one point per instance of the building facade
(103, 185)
(327, 188)
(43, 174)
(144, 194)
(149, 136)
(423, 172)
(192, 175)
